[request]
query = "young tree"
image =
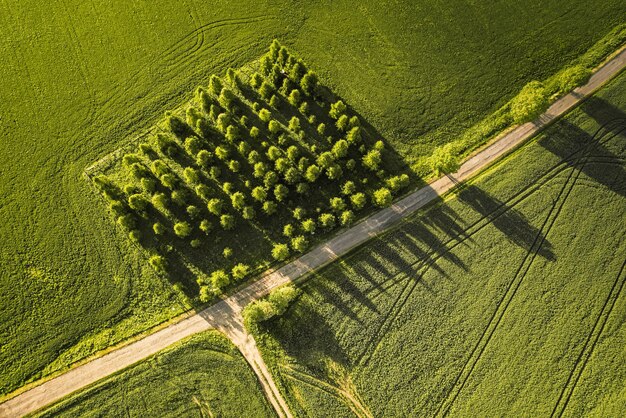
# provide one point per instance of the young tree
(222, 122)
(327, 220)
(282, 164)
(203, 158)
(219, 279)
(340, 149)
(274, 101)
(443, 160)
(193, 211)
(158, 228)
(299, 213)
(270, 179)
(321, 129)
(372, 160)
(234, 166)
(137, 202)
(293, 153)
(342, 123)
(259, 194)
(192, 176)
(259, 170)
(309, 82)
(292, 175)
(382, 197)
(347, 218)
(348, 188)
(281, 191)
(308, 225)
(280, 252)
(325, 159)
(215, 172)
(299, 243)
(159, 263)
(221, 152)
(274, 127)
(266, 90)
(294, 124)
(240, 271)
(227, 222)
(159, 168)
(358, 200)
(248, 213)
(265, 115)
(179, 197)
(337, 204)
(169, 181)
(254, 132)
(288, 230)
(354, 135)
(334, 172)
(302, 188)
(295, 97)
(397, 182)
(273, 153)
(160, 201)
(256, 80)
(232, 134)
(215, 206)
(182, 229)
(215, 85)
(312, 173)
(206, 226)
(337, 109)
(270, 207)
(228, 187)
(238, 200)
(195, 243)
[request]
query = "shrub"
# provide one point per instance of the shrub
(215, 206)
(137, 202)
(312, 173)
(259, 170)
(270, 207)
(240, 271)
(347, 218)
(227, 222)
(259, 194)
(337, 204)
(158, 228)
(288, 230)
(397, 182)
(273, 127)
(182, 229)
(134, 235)
(248, 213)
(219, 279)
(294, 124)
(529, 103)
(227, 252)
(382, 197)
(280, 252)
(302, 188)
(159, 263)
(258, 311)
(572, 77)
(358, 200)
(206, 226)
(443, 160)
(327, 220)
(281, 191)
(334, 172)
(372, 159)
(160, 201)
(337, 109)
(270, 179)
(340, 149)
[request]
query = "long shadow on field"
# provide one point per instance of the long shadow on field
(593, 148)
(507, 220)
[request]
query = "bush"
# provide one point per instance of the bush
(193, 211)
(215, 206)
(274, 127)
(219, 279)
(312, 173)
(206, 226)
(240, 271)
(347, 218)
(228, 252)
(288, 230)
(299, 243)
(572, 77)
(340, 149)
(137, 202)
(280, 252)
(160, 201)
(308, 225)
(195, 243)
(206, 294)
(182, 229)
(397, 182)
(159, 263)
(372, 160)
(337, 109)
(270, 179)
(358, 200)
(531, 101)
(248, 213)
(337, 204)
(227, 222)
(327, 220)
(382, 197)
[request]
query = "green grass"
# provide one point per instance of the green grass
(506, 299)
(78, 78)
(202, 376)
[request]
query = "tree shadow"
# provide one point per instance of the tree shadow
(592, 154)
(507, 220)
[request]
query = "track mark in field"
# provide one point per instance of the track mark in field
(590, 344)
(352, 400)
(496, 318)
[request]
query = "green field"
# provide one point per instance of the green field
(203, 376)
(78, 79)
(506, 299)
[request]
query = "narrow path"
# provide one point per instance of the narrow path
(225, 315)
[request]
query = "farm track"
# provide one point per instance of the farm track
(421, 266)
(225, 313)
(502, 307)
(590, 344)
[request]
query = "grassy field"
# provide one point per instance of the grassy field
(203, 376)
(78, 78)
(506, 299)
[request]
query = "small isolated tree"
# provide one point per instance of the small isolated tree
(340, 149)
(137, 202)
(358, 200)
(308, 225)
(294, 124)
(312, 173)
(443, 160)
(248, 213)
(227, 222)
(288, 230)
(219, 279)
(215, 206)
(159, 263)
(270, 207)
(531, 101)
(280, 252)
(274, 127)
(182, 229)
(280, 192)
(348, 188)
(382, 197)
(327, 220)
(342, 123)
(337, 109)
(259, 194)
(259, 170)
(346, 218)
(337, 204)
(206, 226)
(299, 243)
(240, 271)
(372, 160)
(158, 228)
(227, 252)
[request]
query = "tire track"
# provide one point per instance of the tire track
(496, 318)
(590, 344)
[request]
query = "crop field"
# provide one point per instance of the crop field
(507, 298)
(81, 78)
(203, 376)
